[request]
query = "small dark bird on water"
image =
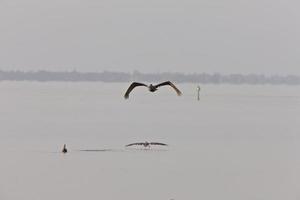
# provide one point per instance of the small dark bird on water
(64, 150)
(152, 88)
(146, 144)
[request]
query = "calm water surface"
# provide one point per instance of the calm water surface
(237, 142)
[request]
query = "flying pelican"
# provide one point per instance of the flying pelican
(146, 144)
(152, 88)
(64, 150)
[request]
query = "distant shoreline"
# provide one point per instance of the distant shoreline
(109, 76)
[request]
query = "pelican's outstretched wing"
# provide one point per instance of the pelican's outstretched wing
(170, 84)
(158, 143)
(131, 87)
(137, 143)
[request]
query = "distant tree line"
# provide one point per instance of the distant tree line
(107, 76)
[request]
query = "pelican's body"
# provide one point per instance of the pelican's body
(151, 88)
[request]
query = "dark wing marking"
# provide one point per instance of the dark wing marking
(137, 143)
(131, 87)
(158, 143)
(170, 84)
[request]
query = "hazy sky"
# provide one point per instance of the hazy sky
(227, 36)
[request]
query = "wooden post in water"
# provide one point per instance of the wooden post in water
(198, 90)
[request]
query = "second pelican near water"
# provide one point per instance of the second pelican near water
(146, 144)
(152, 88)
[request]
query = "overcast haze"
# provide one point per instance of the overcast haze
(232, 36)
